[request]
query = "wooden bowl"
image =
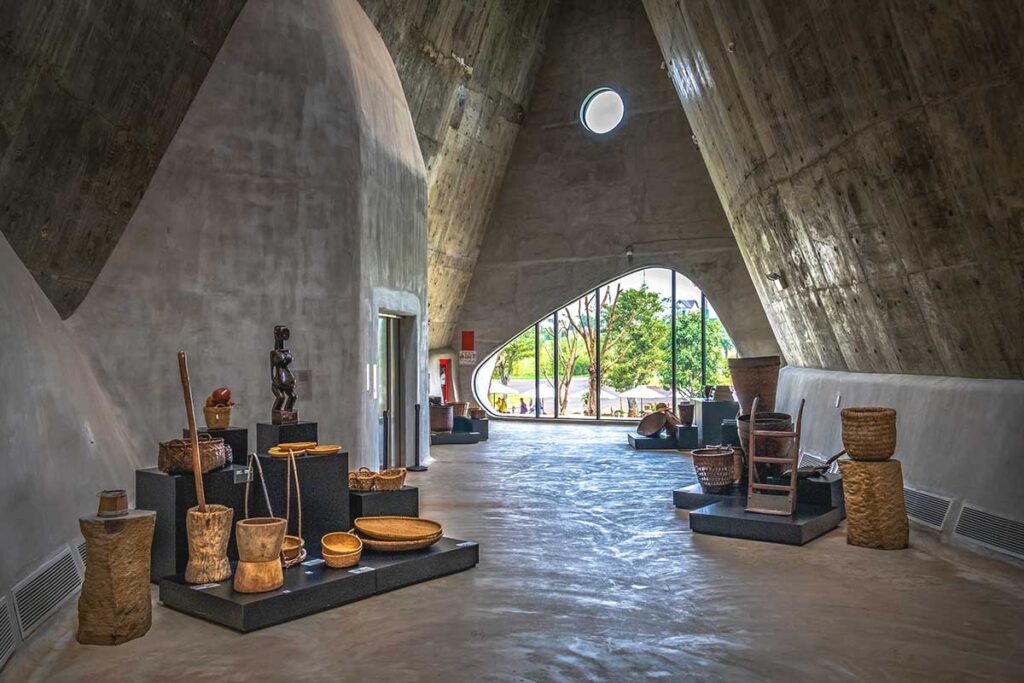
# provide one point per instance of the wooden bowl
(292, 547)
(340, 543)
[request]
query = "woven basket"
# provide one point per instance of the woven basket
(869, 433)
(217, 417)
(361, 480)
(755, 377)
(460, 408)
(442, 418)
(342, 560)
(340, 549)
(176, 455)
(389, 480)
(714, 467)
(477, 413)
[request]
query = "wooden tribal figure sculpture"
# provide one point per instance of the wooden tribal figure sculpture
(282, 381)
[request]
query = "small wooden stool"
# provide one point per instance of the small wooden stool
(875, 514)
(115, 604)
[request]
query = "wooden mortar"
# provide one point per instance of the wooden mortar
(208, 536)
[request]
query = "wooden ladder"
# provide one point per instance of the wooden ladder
(766, 498)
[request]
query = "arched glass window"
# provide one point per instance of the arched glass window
(645, 338)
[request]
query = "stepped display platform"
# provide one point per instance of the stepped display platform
(454, 438)
(404, 502)
(651, 443)
(731, 519)
(825, 491)
(312, 586)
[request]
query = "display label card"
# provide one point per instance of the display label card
(465, 543)
(312, 563)
(360, 570)
(243, 475)
(204, 586)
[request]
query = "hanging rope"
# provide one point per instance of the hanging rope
(293, 471)
(263, 483)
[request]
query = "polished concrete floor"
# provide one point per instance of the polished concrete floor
(588, 573)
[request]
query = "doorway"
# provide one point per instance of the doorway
(391, 400)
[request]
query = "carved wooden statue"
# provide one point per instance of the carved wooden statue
(282, 381)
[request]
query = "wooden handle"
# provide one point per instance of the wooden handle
(197, 467)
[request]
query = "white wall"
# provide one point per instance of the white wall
(959, 438)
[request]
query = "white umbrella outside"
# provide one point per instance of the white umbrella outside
(642, 393)
(499, 388)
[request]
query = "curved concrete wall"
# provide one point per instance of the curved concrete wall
(573, 201)
(958, 438)
(293, 192)
(870, 153)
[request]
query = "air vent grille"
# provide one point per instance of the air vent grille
(82, 552)
(7, 639)
(43, 592)
(808, 459)
(998, 533)
(926, 508)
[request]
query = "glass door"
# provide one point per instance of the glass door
(389, 395)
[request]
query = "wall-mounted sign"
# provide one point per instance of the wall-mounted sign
(467, 354)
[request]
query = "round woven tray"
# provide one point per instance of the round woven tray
(389, 528)
(297, 445)
(329, 449)
(278, 452)
(400, 546)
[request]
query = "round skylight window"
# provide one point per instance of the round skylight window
(602, 111)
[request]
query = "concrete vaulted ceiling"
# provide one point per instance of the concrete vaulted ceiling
(467, 67)
(872, 154)
(91, 95)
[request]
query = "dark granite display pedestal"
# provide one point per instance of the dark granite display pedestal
(823, 491)
(269, 435)
(312, 586)
(454, 438)
(651, 443)
(405, 502)
(236, 437)
(171, 495)
(481, 427)
(687, 438)
(325, 499)
(708, 416)
(732, 520)
(696, 496)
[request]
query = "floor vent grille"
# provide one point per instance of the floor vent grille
(926, 508)
(45, 590)
(999, 533)
(7, 639)
(808, 459)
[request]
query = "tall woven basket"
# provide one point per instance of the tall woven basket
(869, 433)
(755, 378)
